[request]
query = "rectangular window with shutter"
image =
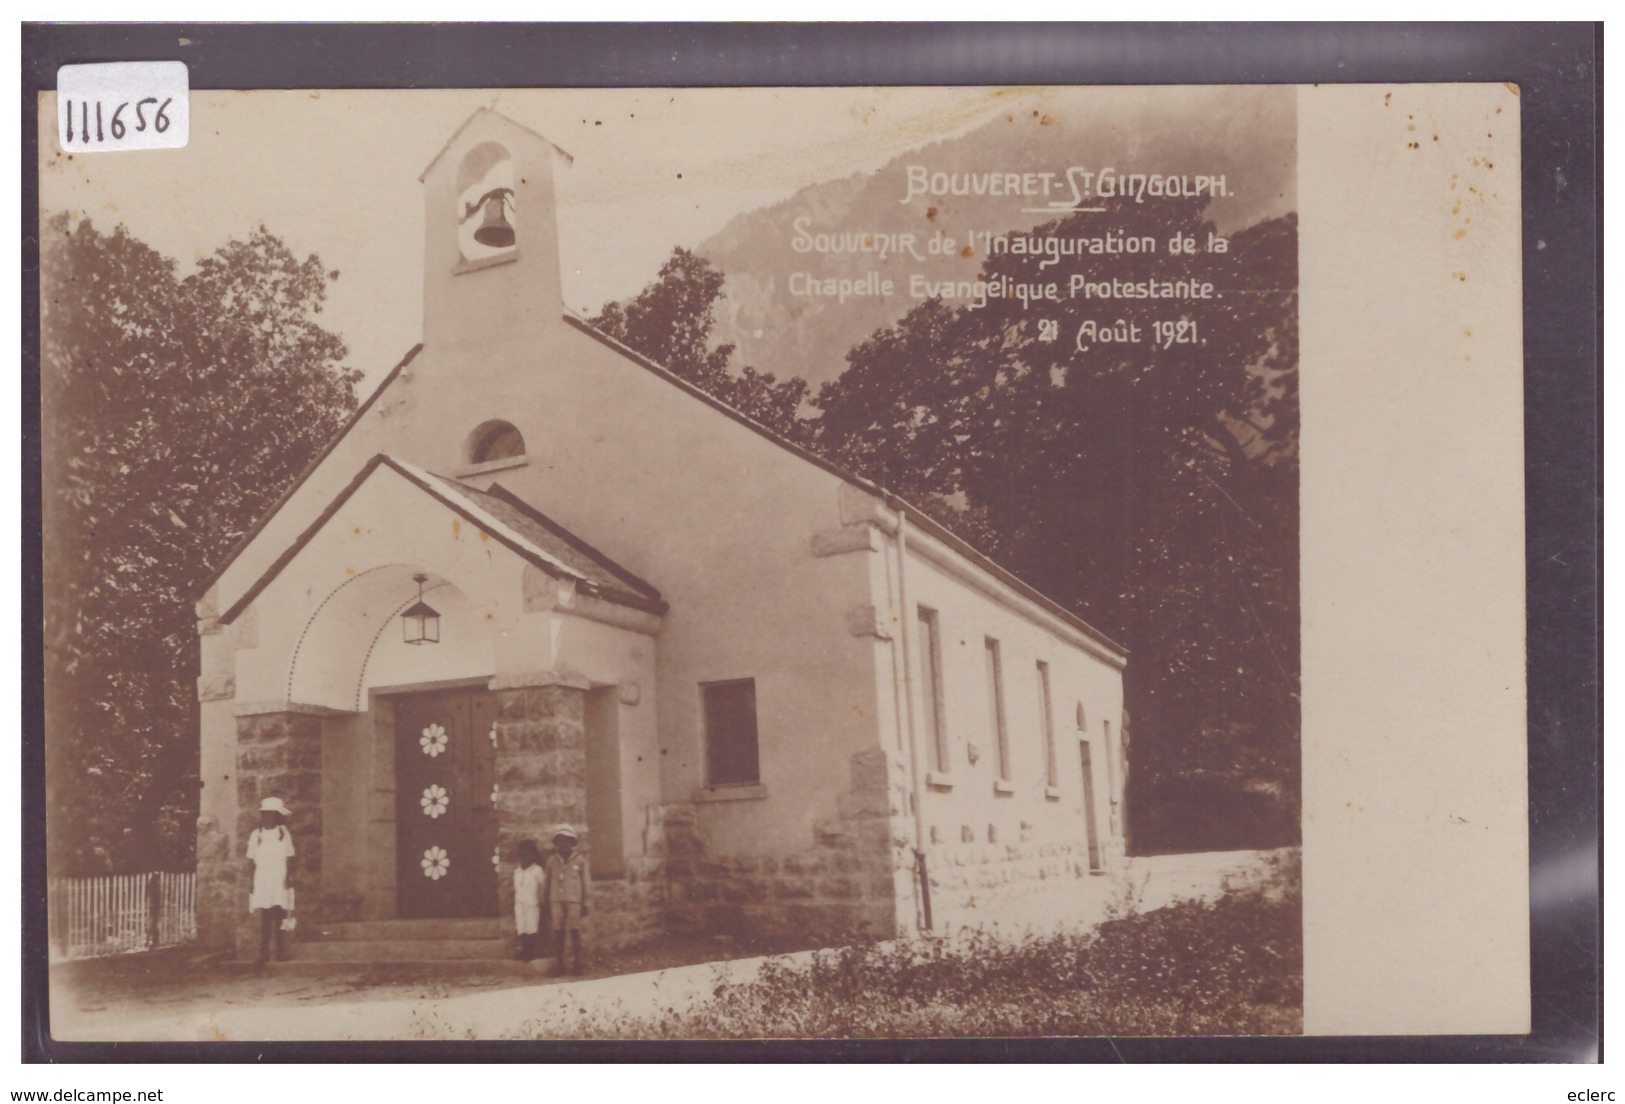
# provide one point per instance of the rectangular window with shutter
(1046, 717)
(730, 733)
(995, 708)
(936, 729)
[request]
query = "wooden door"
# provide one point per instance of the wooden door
(445, 823)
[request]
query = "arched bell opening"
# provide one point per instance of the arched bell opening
(486, 226)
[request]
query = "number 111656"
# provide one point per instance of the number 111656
(148, 111)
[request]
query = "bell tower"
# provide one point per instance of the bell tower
(491, 252)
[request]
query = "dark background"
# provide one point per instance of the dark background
(1558, 69)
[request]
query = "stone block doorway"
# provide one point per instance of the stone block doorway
(445, 816)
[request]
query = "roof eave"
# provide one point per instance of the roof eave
(613, 595)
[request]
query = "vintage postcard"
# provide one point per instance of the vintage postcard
(786, 563)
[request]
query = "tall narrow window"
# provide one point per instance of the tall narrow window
(1111, 758)
(1111, 778)
(995, 707)
(931, 687)
(1046, 717)
(730, 733)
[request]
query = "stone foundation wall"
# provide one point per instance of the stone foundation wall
(854, 880)
(845, 884)
(970, 881)
(627, 911)
(278, 755)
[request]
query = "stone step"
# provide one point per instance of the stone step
(400, 950)
(476, 928)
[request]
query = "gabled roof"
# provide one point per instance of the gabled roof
(917, 517)
(503, 516)
(573, 556)
(466, 123)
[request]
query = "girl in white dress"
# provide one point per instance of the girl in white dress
(528, 879)
(270, 849)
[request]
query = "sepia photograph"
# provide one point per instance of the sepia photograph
(748, 563)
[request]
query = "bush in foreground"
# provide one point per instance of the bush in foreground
(1229, 967)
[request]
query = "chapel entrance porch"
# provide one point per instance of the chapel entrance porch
(415, 764)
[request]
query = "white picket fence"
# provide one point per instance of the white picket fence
(121, 914)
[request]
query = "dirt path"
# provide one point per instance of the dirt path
(101, 999)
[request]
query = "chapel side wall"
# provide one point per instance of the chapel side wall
(991, 842)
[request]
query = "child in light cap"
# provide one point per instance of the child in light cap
(270, 849)
(566, 895)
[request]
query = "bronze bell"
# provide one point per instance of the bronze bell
(494, 231)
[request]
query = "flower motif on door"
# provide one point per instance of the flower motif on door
(496, 856)
(435, 863)
(433, 741)
(493, 734)
(434, 801)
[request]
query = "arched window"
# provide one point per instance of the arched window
(495, 441)
(1083, 722)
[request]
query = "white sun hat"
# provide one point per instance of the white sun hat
(565, 830)
(274, 805)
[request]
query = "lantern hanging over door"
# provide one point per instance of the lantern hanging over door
(420, 624)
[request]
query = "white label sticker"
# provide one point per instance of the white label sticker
(122, 105)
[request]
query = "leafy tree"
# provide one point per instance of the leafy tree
(670, 322)
(175, 412)
(1152, 487)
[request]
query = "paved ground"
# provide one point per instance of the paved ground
(175, 996)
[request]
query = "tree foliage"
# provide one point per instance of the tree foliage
(175, 412)
(1152, 489)
(670, 322)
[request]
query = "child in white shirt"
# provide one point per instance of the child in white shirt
(528, 879)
